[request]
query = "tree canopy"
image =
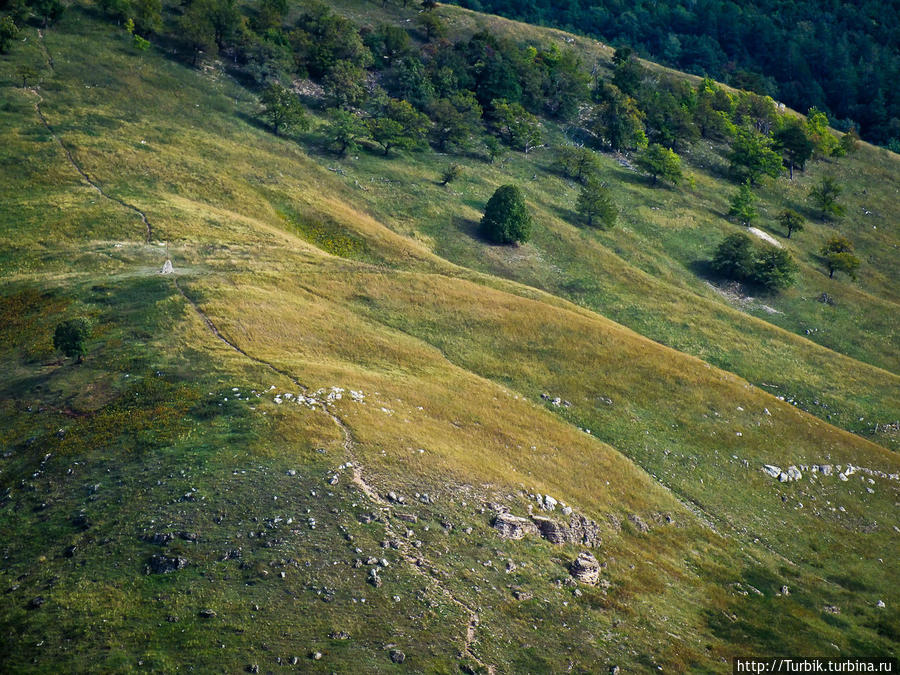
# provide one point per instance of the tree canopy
(844, 60)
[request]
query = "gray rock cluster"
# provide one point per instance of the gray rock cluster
(579, 530)
(794, 473)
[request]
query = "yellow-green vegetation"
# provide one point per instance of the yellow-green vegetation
(602, 367)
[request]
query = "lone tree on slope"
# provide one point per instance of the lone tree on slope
(70, 336)
(506, 219)
(791, 221)
(839, 256)
(595, 204)
(742, 208)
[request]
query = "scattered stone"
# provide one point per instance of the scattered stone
(188, 536)
(161, 538)
(374, 579)
(339, 635)
(316, 656)
(167, 267)
(253, 668)
(785, 590)
(832, 609)
(586, 569)
(408, 517)
(163, 564)
(881, 604)
(36, 602)
(519, 594)
(70, 551)
(397, 656)
(207, 613)
(639, 523)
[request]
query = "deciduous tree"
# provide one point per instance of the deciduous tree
(283, 110)
(398, 125)
(575, 162)
(659, 161)
(8, 32)
(752, 156)
(839, 256)
(795, 146)
(791, 221)
(343, 131)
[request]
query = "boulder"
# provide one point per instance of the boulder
(552, 531)
(513, 527)
(772, 470)
(586, 569)
(579, 530)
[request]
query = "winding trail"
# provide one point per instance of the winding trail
(148, 230)
(418, 564)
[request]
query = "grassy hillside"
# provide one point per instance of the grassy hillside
(180, 435)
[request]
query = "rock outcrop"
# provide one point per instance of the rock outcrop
(586, 569)
(513, 527)
(579, 530)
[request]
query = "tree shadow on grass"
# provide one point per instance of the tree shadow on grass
(703, 269)
(254, 121)
(469, 227)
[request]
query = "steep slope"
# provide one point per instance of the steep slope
(177, 441)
